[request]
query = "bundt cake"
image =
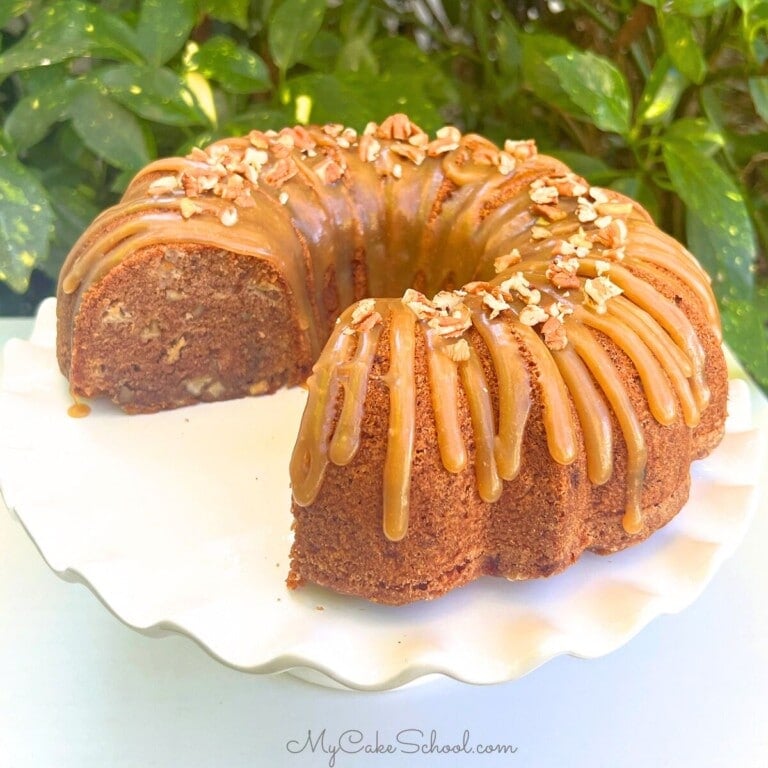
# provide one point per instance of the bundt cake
(543, 366)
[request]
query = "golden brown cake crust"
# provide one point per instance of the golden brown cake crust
(549, 405)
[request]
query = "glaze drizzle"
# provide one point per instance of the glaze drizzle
(546, 264)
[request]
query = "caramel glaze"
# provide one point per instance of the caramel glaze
(545, 274)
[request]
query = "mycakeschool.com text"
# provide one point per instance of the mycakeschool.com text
(408, 741)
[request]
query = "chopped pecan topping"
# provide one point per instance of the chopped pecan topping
(333, 130)
(598, 291)
(585, 210)
(419, 304)
(551, 212)
(282, 170)
(581, 242)
(568, 185)
(494, 301)
(477, 288)
(398, 127)
(454, 324)
(542, 193)
(518, 284)
(447, 139)
(482, 151)
(408, 151)
(329, 171)
(458, 351)
(368, 148)
(601, 222)
(448, 317)
(506, 163)
(521, 150)
(539, 232)
(502, 263)
(164, 185)
(612, 235)
(365, 316)
(562, 273)
(258, 139)
(602, 267)
(450, 132)
(554, 334)
(228, 217)
(447, 301)
(533, 314)
(189, 208)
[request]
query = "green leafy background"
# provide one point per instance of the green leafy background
(664, 100)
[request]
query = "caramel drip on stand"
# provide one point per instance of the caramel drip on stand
(78, 409)
(401, 381)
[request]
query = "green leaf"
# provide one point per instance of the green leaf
(323, 53)
(74, 209)
(682, 46)
(12, 9)
(238, 69)
(164, 27)
(33, 115)
(293, 26)
(596, 86)
(509, 55)
(67, 29)
(539, 78)
(662, 93)
(744, 331)
(481, 25)
(694, 8)
(723, 236)
(697, 131)
(408, 82)
(234, 11)
(755, 22)
(109, 130)
(357, 29)
(261, 119)
(330, 98)
(26, 223)
(158, 94)
(355, 55)
(743, 321)
(758, 89)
